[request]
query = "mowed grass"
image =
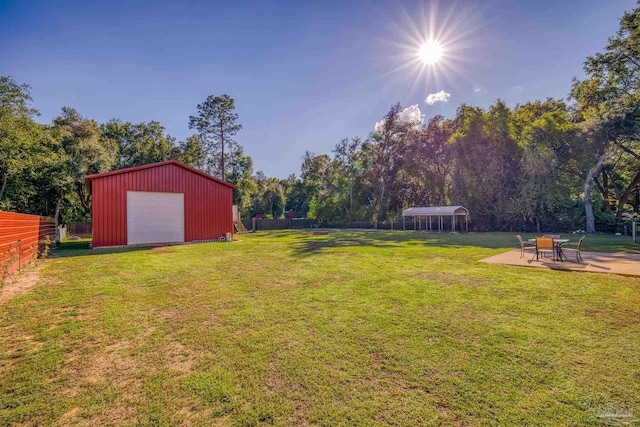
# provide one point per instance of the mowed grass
(290, 328)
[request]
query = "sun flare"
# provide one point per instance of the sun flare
(432, 47)
(430, 52)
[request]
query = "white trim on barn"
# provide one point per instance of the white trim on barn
(428, 212)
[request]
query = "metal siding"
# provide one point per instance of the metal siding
(29, 230)
(121, 200)
(207, 203)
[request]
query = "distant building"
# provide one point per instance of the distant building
(259, 215)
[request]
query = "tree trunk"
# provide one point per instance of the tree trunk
(380, 198)
(538, 224)
(56, 217)
(222, 152)
(5, 178)
(84, 199)
(222, 163)
(588, 207)
(605, 192)
(622, 200)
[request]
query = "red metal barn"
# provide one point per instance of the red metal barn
(163, 202)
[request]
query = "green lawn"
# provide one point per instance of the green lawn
(288, 328)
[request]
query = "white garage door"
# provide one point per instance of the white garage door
(154, 217)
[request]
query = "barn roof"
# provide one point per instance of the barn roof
(89, 178)
(435, 211)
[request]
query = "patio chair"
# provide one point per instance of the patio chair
(524, 245)
(545, 244)
(576, 249)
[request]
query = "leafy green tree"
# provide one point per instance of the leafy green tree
(216, 123)
(192, 152)
(626, 181)
(486, 165)
(269, 195)
(20, 144)
(139, 143)
(608, 101)
(320, 178)
(550, 143)
(240, 173)
(295, 197)
(352, 158)
(425, 175)
(80, 151)
(389, 142)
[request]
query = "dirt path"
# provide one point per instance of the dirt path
(23, 284)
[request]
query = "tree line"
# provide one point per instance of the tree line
(542, 165)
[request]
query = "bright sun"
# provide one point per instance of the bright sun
(430, 52)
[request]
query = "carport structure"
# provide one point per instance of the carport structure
(428, 213)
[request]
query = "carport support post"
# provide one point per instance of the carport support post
(466, 222)
(403, 223)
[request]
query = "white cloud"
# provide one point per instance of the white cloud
(379, 127)
(441, 96)
(479, 89)
(410, 114)
(518, 88)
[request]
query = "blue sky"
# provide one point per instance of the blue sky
(304, 74)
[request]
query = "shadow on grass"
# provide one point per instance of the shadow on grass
(310, 243)
(80, 248)
(313, 242)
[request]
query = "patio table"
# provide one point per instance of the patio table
(558, 244)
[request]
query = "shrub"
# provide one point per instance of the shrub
(44, 246)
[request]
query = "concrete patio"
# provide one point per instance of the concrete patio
(593, 262)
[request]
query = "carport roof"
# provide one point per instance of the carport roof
(435, 211)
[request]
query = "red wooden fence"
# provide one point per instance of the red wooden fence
(20, 239)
